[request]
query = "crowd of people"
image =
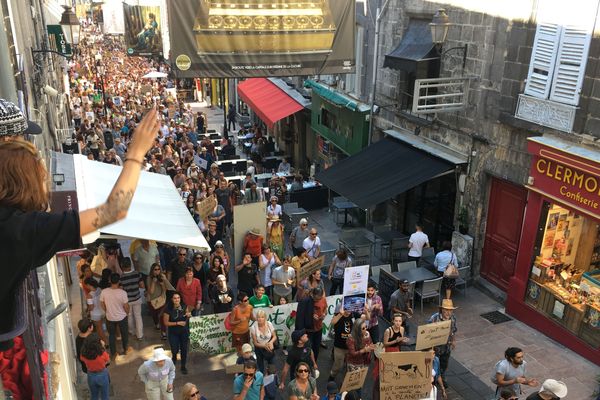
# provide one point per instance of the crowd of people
(176, 283)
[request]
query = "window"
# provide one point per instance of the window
(329, 120)
(560, 51)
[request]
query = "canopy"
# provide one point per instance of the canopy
(416, 46)
(155, 75)
(157, 211)
(381, 171)
(267, 100)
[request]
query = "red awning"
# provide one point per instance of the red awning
(267, 100)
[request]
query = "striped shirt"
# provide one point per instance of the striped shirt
(130, 281)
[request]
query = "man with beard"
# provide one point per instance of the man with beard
(373, 309)
(446, 313)
(510, 372)
(401, 302)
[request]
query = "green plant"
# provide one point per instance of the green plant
(463, 216)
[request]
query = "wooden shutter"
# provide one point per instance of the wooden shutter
(572, 56)
(543, 57)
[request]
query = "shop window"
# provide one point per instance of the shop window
(564, 283)
(329, 120)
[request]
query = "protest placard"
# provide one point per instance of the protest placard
(310, 267)
(205, 207)
(354, 379)
(356, 280)
(431, 335)
(405, 375)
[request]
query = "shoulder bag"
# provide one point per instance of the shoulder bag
(451, 271)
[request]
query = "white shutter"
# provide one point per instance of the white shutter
(572, 56)
(543, 57)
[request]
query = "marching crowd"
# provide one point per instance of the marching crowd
(176, 284)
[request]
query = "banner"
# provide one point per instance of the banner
(114, 23)
(431, 335)
(251, 38)
(356, 280)
(208, 334)
(405, 375)
(142, 30)
(307, 269)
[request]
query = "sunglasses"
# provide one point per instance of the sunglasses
(303, 370)
(182, 254)
(248, 375)
(194, 394)
(313, 234)
(245, 301)
(157, 269)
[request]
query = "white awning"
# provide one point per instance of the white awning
(157, 211)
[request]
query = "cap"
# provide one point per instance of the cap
(332, 387)
(255, 231)
(13, 122)
(218, 243)
(557, 388)
(159, 354)
(246, 348)
(403, 281)
(297, 334)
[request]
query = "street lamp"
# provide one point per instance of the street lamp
(70, 25)
(440, 23)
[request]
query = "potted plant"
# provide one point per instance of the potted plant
(463, 221)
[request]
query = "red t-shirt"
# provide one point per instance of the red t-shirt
(97, 364)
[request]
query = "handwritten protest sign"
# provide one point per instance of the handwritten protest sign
(206, 206)
(208, 334)
(354, 379)
(431, 335)
(405, 375)
(310, 267)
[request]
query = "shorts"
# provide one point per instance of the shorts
(238, 339)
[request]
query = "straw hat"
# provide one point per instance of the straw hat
(448, 305)
(254, 231)
(274, 218)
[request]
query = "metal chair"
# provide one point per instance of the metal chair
(405, 266)
(430, 289)
(399, 249)
(362, 255)
(376, 269)
(463, 276)
(427, 257)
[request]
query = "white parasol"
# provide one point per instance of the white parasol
(155, 75)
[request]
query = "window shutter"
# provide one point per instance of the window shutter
(543, 57)
(572, 56)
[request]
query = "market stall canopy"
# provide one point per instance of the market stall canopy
(381, 171)
(155, 75)
(156, 213)
(268, 100)
(415, 47)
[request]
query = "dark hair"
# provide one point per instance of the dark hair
(92, 347)
(84, 325)
(264, 247)
(84, 267)
(250, 364)
(259, 286)
(114, 278)
(92, 282)
(300, 364)
(372, 284)
(341, 254)
(507, 394)
(511, 352)
(317, 291)
(352, 395)
(105, 279)
(447, 245)
(216, 258)
(126, 262)
(241, 295)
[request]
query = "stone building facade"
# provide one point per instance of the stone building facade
(500, 38)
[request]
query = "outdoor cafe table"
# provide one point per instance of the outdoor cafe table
(356, 241)
(415, 275)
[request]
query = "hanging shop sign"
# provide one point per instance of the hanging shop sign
(57, 40)
(233, 38)
(208, 334)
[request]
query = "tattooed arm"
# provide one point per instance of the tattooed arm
(116, 206)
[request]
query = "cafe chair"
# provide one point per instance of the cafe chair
(430, 289)
(406, 266)
(362, 255)
(399, 250)
(376, 269)
(464, 274)
(427, 257)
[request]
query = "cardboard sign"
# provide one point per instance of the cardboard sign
(206, 206)
(310, 267)
(431, 335)
(354, 379)
(356, 280)
(234, 369)
(405, 375)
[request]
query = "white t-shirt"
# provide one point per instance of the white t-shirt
(114, 299)
(97, 312)
(311, 246)
(418, 241)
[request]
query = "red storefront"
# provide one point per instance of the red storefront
(556, 285)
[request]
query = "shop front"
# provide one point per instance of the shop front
(556, 286)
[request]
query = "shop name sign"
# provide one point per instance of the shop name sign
(572, 185)
(58, 41)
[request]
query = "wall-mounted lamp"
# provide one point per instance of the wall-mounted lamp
(71, 29)
(440, 23)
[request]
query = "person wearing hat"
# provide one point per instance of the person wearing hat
(253, 243)
(551, 390)
(299, 351)
(275, 237)
(13, 124)
(158, 374)
(246, 354)
(446, 313)
(333, 393)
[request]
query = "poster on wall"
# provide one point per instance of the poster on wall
(252, 38)
(356, 280)
(142, 30)
(208, 334)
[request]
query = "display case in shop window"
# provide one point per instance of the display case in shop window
(564, 283)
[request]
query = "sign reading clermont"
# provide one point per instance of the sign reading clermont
(208, 334)
(250, 38)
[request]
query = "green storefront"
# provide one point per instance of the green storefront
(338, 120)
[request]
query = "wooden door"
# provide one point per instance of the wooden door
(506, 209)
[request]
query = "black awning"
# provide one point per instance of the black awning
(381, 171)
(416, 46)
